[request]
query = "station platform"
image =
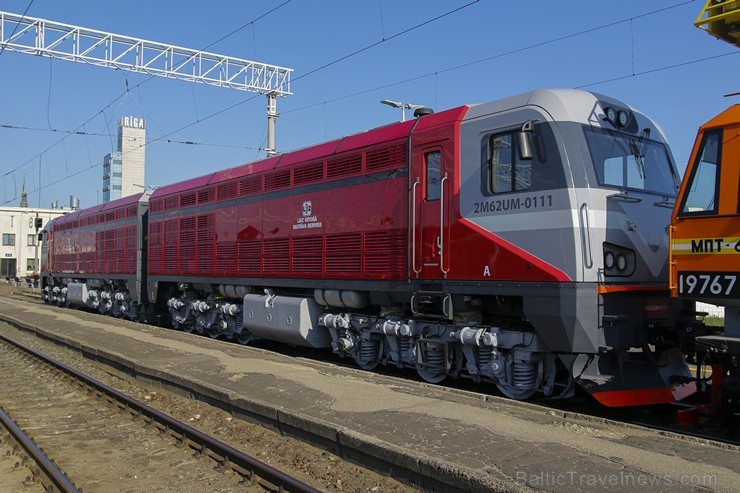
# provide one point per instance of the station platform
(467, 441)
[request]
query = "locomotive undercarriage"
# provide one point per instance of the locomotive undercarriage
(486, 339)
(214, 317)
(510, 355)
(515, 360)
(107, 297)
(476, 337)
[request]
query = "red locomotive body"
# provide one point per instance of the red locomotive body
(337, 211)
(496, 242)
(103, 244)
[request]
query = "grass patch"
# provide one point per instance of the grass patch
(713, 321)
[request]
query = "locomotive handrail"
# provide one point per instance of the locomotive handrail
(672, 264)
(586, 236)
(413, 226)
(442, 226)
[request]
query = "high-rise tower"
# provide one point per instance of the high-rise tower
(123, 171)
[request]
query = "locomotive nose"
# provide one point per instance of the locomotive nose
(633, 379)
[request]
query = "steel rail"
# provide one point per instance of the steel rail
(55, 480)
(226, 455)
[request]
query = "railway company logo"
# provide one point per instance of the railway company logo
(309, 219)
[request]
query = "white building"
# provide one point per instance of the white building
(20, 249)
(123, 171)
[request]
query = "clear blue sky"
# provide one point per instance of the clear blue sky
(616, 40)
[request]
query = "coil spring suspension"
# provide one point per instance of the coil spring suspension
(369, 350)
(485, 355)
(405, 344)
(525, 374)
(436, 355)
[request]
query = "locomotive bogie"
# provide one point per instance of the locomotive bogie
(516, 361)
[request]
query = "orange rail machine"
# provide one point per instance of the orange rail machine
(705, 229)
(705, 250)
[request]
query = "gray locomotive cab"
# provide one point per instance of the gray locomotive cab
(591, 185)
(586, 184)
(518, 184)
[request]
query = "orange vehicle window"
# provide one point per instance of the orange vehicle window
(702, 192)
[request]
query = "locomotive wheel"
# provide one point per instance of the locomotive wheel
(189, 328)
(367, 355)
(515, 393)
(435, 369)
(529, 376)
(245, 337)
(366, 365)
(213, 332)
(431, 376)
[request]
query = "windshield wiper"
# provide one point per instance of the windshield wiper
(623, 195)
(665, 203)
(639, 157)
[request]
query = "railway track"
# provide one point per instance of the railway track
(722, 429)
(87, 427)
(42, 469)
(577, 414)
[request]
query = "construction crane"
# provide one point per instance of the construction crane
(51, 39)
(721, 19)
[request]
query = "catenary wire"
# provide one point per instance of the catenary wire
(2, 50)
(428, 21)
(499, 55)
(518, 50)
(101, 112)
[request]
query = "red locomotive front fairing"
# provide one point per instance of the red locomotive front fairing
(491, 257)
(445, 246)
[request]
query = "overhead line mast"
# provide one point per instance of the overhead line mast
(43, 37)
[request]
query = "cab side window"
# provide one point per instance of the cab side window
(503, 170)
(506, 172)
(702, 191)
(433, 175)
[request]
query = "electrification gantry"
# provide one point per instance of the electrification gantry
(51, 39)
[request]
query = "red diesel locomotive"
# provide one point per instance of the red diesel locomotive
(520, 242)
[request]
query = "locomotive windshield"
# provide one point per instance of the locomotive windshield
(631, 162)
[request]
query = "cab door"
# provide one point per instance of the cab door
(430, 199)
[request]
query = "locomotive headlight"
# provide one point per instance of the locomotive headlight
(618, 260)
(609, 260)
(622, 118)
(621, 262)
(611, 115)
